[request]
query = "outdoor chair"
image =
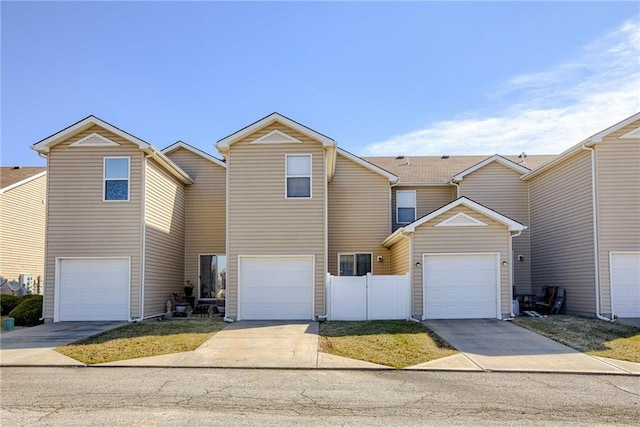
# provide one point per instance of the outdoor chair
(546, 300)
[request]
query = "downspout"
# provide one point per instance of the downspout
(596, 263)
(455, 184)
(411, 276)
(511, 267)
(46, 240)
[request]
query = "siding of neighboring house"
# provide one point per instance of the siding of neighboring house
(359, 214)
(205, 212)
(562, 231)
(399, 254)
(618, 195)
(164, 239)
(428, 199)
(492, 238)
(261, 220)
(22, 225)
(79, 223)
(501, 189)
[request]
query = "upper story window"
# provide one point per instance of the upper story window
(298, 176)
(116, 178)
(405, 206)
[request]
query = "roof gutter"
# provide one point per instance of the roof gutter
(594, 206)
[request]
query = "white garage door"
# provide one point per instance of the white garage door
(276, 288)
(93, 289)
(463, 286)
(625, 283)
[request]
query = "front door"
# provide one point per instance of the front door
(212, 272)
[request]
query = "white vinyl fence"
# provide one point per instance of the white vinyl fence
(368, 297)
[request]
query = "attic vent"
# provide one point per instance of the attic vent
(522, 155)
(94, 140)
(276, 137)
(399, 157)
(633, 134)
(17, 167)
(445, 156)
(461, 219)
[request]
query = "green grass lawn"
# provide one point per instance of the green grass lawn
(144, 339)
(394, 343)
(591, 336)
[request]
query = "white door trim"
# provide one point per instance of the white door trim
(313, 276)
(56, 283)
(498, 278)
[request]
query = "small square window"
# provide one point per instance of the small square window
(116, 179)
(298, 176)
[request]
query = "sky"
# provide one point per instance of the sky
(381, 78)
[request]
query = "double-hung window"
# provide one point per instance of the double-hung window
(354, 264)
(116, 179)
(298, 176)
(405, 206)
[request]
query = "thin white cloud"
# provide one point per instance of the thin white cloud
(554, 109)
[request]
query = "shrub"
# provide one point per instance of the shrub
(8, 303)
(28, 312)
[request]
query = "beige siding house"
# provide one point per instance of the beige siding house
(585, 222)
(22, 223)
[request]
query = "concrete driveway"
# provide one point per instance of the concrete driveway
(495, 345)
(34, 346)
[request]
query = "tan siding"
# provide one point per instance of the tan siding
(501, 189)
(562, 231)
(205, 211)
(22, 229)
(493, 238)
(79, 223)
(164, 239)
(359, 214)
(261, 220)
(618, 195)
(399, 254)
(428, 199)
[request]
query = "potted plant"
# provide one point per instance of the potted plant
(188, 289)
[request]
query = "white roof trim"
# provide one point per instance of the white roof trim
(94, 140)
(495, 158)
(44, 145)
(461, 219)
(367, 165)
(225, 143)
(276, 137)
(180, 144)
(632, 134)
(24, 181)
(513, 225)
(592, 140)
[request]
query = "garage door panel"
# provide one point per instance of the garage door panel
(276, 288)
(625, 284)
(93, 289)
(460, 286)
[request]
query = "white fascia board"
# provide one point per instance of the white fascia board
(224, 144)
(393, 237)
(495, 158)
(44, 145)
(24, 181)
(589, 142)
(422, 184)
(367, 165)
(194, 150)
(513, 225)
(174, 169)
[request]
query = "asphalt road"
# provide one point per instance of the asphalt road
(199, 397)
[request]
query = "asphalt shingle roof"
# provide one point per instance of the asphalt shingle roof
(10, 175)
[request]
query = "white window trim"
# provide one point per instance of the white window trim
(415, 208)
(355, 262)
(286, 176)
(104, 179)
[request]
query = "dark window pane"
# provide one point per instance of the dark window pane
(298, 187)
(116, 190)
(406, 215)
(363, 264)
(346, 265)
(207, 275)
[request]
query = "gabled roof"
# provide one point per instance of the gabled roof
(44, 145)
(368, 165)
(439, 170)
(462, 201)
(224, 144)
(180, 144)
(15, 176)
(589, 142)
(495, 158)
